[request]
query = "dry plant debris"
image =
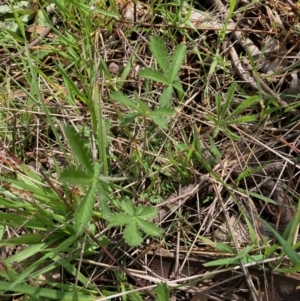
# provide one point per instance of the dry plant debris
(188, 108)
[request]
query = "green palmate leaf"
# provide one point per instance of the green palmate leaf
(142, 106)
(146, 212)
(84, 211)
(159, 50)
(118, 219)
(149, 228)
(128, 207)
(104, 200)
(177, 60)
(248, 102)
(78, 149)
(162, 292)
(165, 100)
(162, 122)
(162, 112)
(124, 100)
(177, 85)
(132, 235)
(76, 176)
(154, 75)
(128, 118)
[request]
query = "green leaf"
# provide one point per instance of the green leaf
(78, 149)
(218, 106)
(231, 134)
(128, 118)
(162, 122)
(84, 211)
(143, 107)
(247, 103)
(160, 52)
(149, 228)
(165, 100)
(213, 149)
(177, 60)
(224, 248)
(228, 100)
(128, 207)
(104, 199)
(242, 119)
(118, 219)
(290, 252)
(154, 75)
(132, 235)
(162, 292)
(71, 85)
(177, 85)
(124, 100)
(76, 176)
(162, 112)
(146, 212)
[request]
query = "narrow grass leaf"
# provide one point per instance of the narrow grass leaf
(289, 251)
(78, 149)
(212, 118)
(71, 85)
(154, 75)
(128, 68)
(230, 134)
(218, 106)
(228, 100)
(247, 103)
(177, 60)
(224, 248)
(213, 148)
(162, 292)
(41, 292)
(107, 13)
(124, 100)
(242, 119)
(160, 52)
